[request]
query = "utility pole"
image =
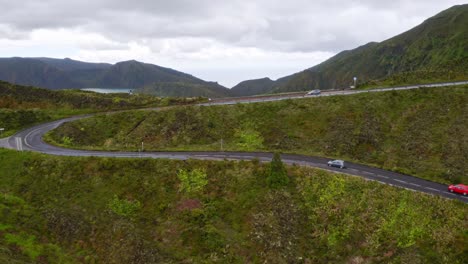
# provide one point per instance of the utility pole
(222, 132)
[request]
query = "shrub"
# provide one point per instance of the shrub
(277, 176)
(249, 139)
(67, 140)
(27, 243)
(192, 182)
(124, 207)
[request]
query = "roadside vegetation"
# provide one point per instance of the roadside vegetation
(94, 210)
(418, 132)
(23, 106)
(416, 77)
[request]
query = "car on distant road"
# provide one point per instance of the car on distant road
(314, 92)
(336, 163)
(458, 188)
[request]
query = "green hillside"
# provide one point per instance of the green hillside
(67, 73)
(435, 51)
(418, 132)
(100, 210)
(180, 89)
(23, 106)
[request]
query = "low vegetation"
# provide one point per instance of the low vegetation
(94, 210)
(415, 78)
(185, 89)
(419, 132)
(23, 106)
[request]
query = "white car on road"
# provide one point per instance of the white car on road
(314, 92)
(336, 163)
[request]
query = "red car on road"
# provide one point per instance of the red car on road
(459, 188)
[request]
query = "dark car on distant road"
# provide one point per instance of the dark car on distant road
(458, 188)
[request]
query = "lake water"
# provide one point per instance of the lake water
(108, 90)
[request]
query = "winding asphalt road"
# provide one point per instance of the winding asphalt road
(31, 140)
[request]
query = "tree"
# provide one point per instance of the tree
(277, 176)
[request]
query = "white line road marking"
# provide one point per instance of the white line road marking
(29, 134)
(432, 189)
(400, 181)
(19, 144)
(380, 176)
(414, 184)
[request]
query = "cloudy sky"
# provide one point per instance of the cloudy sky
(225, 41)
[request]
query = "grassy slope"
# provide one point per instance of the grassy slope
(59, 209)
(419, 132)
(181, 89)
(23, 106)
(413, 78)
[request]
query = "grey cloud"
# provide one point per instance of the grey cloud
(278, 25)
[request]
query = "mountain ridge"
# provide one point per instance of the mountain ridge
(66, 73)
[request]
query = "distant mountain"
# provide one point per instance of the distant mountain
(73, 65)
(436, 50)
(25, 71)
(66, 73)
(134, 74)
(252, 87)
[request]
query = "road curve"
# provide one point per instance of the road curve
(31, 140)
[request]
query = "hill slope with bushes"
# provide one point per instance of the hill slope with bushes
(419, 132)
(95, 210)
(416, 131)
(23, 106)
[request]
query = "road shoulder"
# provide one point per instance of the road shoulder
(4, 143)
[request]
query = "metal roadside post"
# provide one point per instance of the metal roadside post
(1, 130)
